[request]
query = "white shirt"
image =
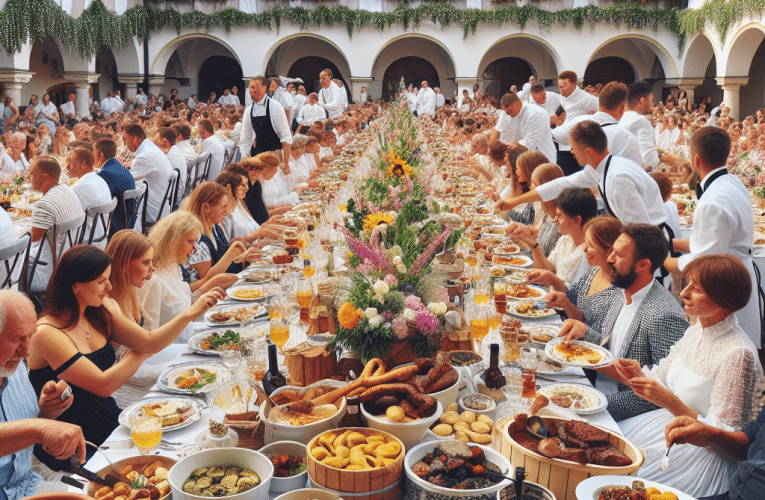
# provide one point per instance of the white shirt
(188, 152)
(241, 223)
(218, 151)
(144, 99)
(276, 192)
(411, 98)
(426, 102)
(177, 160)
(278, 122)
(632, 194)
(644, 131)
(332, 101)
(151, 164)
(300, 171)
(11, 167)
(68, 108)
(9, 238)
(440, 100)
(552, 102)
(673, 218)
(624, 320)
(92, 191)
(285, 99)
(531, 128)
(577, 104)
(111, 105)
(164, 297)
(621, 142)
(300, 101)
(311, 113)
(236, 133)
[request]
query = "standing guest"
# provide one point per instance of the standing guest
(264, 124)
(212, 143)
(69, 110)
(75, 335)
(343, 92)
(118, 179)
(722, 221)
(524, 123)
(150, 164)
(26, 420)
(165, 138)
(440, 100)
(426, 100)
(330, 96)
(277, 92)
(58, 204)
(92, 190)
(45, 112)
(549, 101)
(576, 102)
(364, 96)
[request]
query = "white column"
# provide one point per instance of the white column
(155, 84)
(131, 85)
(356, 83)
(732, 92)
(13, 82)
(82, 82)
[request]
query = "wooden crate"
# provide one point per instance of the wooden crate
(561, 476)
(308, 364)
(381, 484)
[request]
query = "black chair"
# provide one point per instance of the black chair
(11, 257)
(100, 217)
(167, 200)
(201, 170)
(134, 203)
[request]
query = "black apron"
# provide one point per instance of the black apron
(266, 138)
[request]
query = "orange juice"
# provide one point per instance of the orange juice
(280, 333)
(478, 329)
(495, 320)
(308, 271)
(481, 299)
(304, 298)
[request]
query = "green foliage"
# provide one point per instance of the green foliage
(355, 221)
(394, 302)
(360, 292)
(367, 340)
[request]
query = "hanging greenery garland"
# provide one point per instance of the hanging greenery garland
(26, 21)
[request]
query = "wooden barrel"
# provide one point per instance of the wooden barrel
(383, 483)
(561, 476)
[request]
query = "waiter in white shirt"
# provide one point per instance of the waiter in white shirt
(526, 89)
(343, 92)
(613, 100)
(440, 99)
(330, 95)
(722, 221)
(264, 124)
(525, 124)
(549, 101)
(426, 100)
(576, 102)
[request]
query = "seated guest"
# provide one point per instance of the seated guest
(709, 375)
(165, 138)
(8, 231)
(91, 189)
(589, 298)
(150, 164)
(58, 204)
(565, 265)
(167, 294)
(119, 180)
(14, 159)
(328, 142)
(26, 420)
(184, 143)
(642, 323)
(212, 143)
(520, 180)
(261, 169)
(73, 343)
(503, 182)
(300, 169)
(239, 223)
(209, 203)
(311, 112)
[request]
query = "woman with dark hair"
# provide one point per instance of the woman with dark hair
(238, 222)
(73, 342)
(709, 375)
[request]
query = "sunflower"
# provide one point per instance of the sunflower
(371, 221)
(398, 167)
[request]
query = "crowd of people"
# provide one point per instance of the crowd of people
(681, 316)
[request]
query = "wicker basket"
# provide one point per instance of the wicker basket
(561, 476)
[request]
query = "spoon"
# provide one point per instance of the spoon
(665, 461)
(536, 427)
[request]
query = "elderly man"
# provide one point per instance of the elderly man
(330, 96)
(426, 100)
(525, 124)
(150, 164)
(24, 420)
(13, 160)
(90, 188)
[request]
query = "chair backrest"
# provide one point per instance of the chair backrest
(177, 192)
(72, 231)
(230, 157)
(11, 257)
(168, 198)
(201, 169)
(100, 216)
(134, 202)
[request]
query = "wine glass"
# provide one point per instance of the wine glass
(479, 327)
(145, 431)
(280, 332)
(529, 361)
(481, 292)
(303, 295)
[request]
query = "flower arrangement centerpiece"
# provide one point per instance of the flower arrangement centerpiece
(394, 306)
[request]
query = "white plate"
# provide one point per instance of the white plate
(606, 360)
(511, 310)
(124, 417)
(527, 262)
(514, 277)
(594, 400)
(542, 294)
(166, 380)
(259, 311)
(508, 249)
(589, 489)
(533, 329)
(544, 368)
(196, 340)
(266, 292)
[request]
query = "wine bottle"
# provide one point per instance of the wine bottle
(493, 376)
(273, 379)
(353, 416)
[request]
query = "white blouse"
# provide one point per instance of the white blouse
(164, 297)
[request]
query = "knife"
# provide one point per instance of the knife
(92, 476)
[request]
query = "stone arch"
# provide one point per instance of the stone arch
(164, 55)
(741, 50)
(608, 69)
(283, 54)
(699, 52)
(545, 63)
(647, 56)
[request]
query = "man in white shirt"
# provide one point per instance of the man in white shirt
(411, 98)
(627, 190)
(235, 96)
(642, 324)
(576, 102)
(225, 99)
(364, 96)
(301, 98)
(264, 124)
(426, 100)
(440, 100)
(343, 93)
(192, 102)
(111, 104)
(311, 112)
(91, 189)
(211, 142)
(722, 221)
(141, 98)
(612, 100)
(526, 89)
(280, 94)
(549, 101)
(524, 123)
(330, 95)
(150, 164)
(184, 143)
(166, 139)
(69, 110)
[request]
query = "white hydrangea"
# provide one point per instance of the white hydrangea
(397, 260)
(409, 314)
(380, 287)
(437, 308)
(401, 268)
(376, 320)
(370, 312)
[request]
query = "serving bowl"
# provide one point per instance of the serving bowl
(410, 433)
(294, 449)
(449, 395)
(237, 457)
(300, 433)
(137, 462)
(304, 493)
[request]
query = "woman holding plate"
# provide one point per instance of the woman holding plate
(709, 375)
(73, 342)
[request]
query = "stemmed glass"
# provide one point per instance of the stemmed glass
(145, 431)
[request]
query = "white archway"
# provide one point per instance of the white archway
(283, 54)
(641, 52)
(699, 52)
(545, 63)
(743, 44)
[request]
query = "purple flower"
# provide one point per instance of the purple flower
(414, 302)
(426, 321)
(366, 267)
(388, 315)
(390, 280)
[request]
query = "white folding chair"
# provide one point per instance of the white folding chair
(12, 258)
(99, 217)
(134, 203)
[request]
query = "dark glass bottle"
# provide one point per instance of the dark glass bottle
(493, 376)
(353, 417)
(273, 379)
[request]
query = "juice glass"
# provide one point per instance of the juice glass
(529, 362)
(145, 431)
(481, 293)
(280, 332)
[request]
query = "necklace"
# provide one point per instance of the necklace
(87, 331)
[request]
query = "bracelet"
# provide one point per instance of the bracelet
(535, 245)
